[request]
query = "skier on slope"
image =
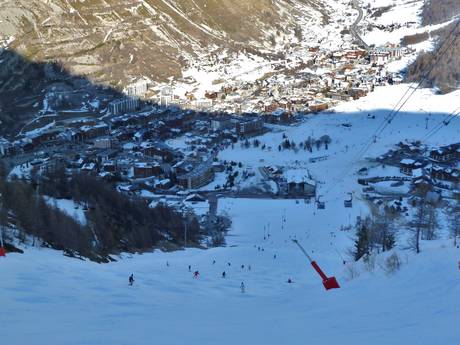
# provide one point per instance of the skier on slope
(131, 280)
(223, 274)
(242, 287)
(196, 274)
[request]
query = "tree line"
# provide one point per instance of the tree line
(377, 233)
(115, 222)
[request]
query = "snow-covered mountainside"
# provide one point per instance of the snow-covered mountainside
(112, 41)
(246, 127)
(85, 303)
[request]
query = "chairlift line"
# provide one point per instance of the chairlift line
(398, 106)
(444, 123)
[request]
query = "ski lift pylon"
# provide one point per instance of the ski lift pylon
(321, 205)
(348, 203)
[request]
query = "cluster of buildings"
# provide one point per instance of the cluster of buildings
(131, 149)
(292, 183)
(321, 81)
(425, 171)
(123, 138)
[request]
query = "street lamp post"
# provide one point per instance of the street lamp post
(185, 233)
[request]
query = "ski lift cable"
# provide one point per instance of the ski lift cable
(396, 109)
(445, 123)
(394, 112)
(447, 118)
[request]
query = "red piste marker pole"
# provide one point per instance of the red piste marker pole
(328, 282)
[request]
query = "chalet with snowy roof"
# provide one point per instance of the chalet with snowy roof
(299, 184)
(218, 167)
(445, 153)
(163, 184)
(90, 132)
(355, 54)
(182, 121)
(445, 173)
(318, 106)
(280, 115)
(422, 184)
(46, 136)
(159, 151)
(144, 170)
(195, 198)
(270, 106)
(382, 55)
(183, 166)
(407, 165)
(410, 148)
(357, 92)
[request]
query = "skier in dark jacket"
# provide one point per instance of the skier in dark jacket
(131, 280)
(223, 274)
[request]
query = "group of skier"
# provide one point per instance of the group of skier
(196, 274)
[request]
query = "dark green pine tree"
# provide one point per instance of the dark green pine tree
(361, 243)
(389, 240)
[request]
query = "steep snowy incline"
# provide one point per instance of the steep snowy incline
(49, 299)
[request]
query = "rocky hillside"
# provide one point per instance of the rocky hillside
(446, 74)
(114, 41)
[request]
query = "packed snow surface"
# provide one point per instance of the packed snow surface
(50, 299)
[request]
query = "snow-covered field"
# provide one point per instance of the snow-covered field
(50, 299)
(69, 207)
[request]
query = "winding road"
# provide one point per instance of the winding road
(354, 26)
